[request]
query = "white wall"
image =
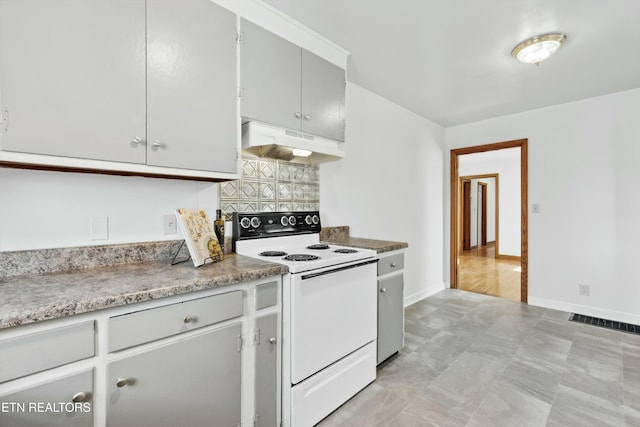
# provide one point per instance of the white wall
(506, 163)
(41, 209)
(584, 171)
(389, 185)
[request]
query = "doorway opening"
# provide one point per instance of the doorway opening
(480, 214)
(458, 212)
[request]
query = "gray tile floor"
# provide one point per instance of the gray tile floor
(474, 360)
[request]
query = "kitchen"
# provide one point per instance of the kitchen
(419, 164)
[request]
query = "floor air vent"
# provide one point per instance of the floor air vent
(604, 323)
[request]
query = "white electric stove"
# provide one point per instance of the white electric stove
(329, 311)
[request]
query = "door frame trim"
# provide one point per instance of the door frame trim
(482, 189)
(463, 214)
(524, 203)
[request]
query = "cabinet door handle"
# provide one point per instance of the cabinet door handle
(121, 382)
(79, 397)
(393, 265)
(137, 141)
(297, 114)
(187, 319)
(273, 340)
(307, 117)
(383, 290)
(157, 145)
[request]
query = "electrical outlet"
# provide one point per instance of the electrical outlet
(583, 290)
(170, 225)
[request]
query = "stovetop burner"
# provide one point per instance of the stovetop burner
(318, 246)
(273, 253)
(301, 257)
(345, 251)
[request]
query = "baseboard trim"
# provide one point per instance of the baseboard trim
(619, 316)
(509, 257)
(420, 295)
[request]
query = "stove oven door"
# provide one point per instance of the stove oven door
(333, 313)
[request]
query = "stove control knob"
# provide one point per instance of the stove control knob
(315, 219)
(255, 222)
(245, 222)
(292, 220)
(284, 221)
(308, 220)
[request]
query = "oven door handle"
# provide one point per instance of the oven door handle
(335, 270)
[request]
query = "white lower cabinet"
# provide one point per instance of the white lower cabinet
(266, 366)
(189, 382)
(390, 304)
(210, 358)
(65, 402)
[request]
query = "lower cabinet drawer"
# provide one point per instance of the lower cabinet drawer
(318, 396)
(45, 350)
(266, 295)
(391, 263)
(152, 324)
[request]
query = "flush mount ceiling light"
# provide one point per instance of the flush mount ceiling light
(538, 48)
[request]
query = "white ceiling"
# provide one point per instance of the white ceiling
(450, 60)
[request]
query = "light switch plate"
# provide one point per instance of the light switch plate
(535, 208)
(99, 227)
(170, 226)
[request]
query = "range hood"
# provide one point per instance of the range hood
(263, 140)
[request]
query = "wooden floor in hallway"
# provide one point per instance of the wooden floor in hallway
(479, 271)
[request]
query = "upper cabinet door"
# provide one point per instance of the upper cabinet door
(72, 78)
(323, 87)
(192, 120)
(270, 77)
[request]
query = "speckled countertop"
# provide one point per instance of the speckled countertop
(341, 236)
(379, 246)
(36, 297)
(37, 285)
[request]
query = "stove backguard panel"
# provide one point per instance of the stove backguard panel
(271, 186)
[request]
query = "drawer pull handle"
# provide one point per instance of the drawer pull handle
(394, 265)
(307, 117)
(121, 382)
(272, 340)
(79, 397)
(297, 115)
(383, 290)
(187, 319)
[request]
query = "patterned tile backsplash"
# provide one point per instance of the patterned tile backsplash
(272, 186)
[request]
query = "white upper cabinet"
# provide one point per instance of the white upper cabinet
(270, 77)
(285, 85)
(72, 78)
(192, 121)
(150, 83)
(323, 88)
